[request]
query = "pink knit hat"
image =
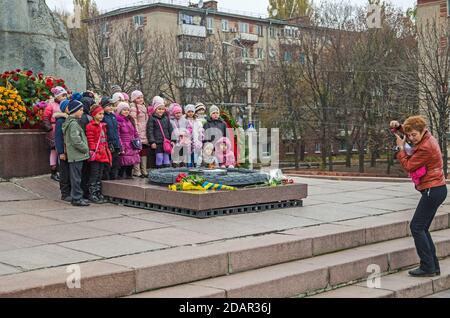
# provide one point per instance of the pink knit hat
(121, 107)
(58, 91)
(125, 95)
(135, 95)
(176, 108)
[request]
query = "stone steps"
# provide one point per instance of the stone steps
(398, 285)
(316, 274)
(262, 266)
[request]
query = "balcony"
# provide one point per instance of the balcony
(246, 60)
(192, 83)
(191, 56)
(248, 37)
(192, 30)
(245, 85)
(290, 41)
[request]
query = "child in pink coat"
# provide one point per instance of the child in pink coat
(49, 121)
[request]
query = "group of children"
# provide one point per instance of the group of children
(112, 139)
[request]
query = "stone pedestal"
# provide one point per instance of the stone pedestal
(34, 38)
(23, 153)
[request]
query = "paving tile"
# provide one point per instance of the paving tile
(10, 241)
(112, 246)
(220, 227)
(6, 270)
(123, 225)
(84, 215)
(43, 256)
(274, 220)
(167, 218)
(12, 192)
(23, 221)
(61, 233)
(326, 212)
(350, 197)
(172, 236)
(43, 186)
(34, 206)
(396, 204)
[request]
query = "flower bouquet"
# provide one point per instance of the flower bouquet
(185, 182)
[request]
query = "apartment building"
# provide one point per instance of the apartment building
(256, 39)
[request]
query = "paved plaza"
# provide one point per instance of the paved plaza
(39, 231)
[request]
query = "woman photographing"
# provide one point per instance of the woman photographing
(425, 165)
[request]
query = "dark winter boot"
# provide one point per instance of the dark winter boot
(99, 193)
(55, 175)
(93, 194)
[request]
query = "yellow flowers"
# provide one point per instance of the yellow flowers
(12, 109)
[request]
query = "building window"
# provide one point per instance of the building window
(141, 72)
(342, 146)
(245, 53)
(140, 42)
(302, 58)
(244, 27)
(105, 50)
(225, 26)
(105, 28)
(272, 32)
(260, 53)
(448, 8)
(259, 30)
(187, 19)
(317, 148)
(288, 56)
(139, 21)
(210, 23)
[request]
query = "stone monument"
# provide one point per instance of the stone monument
(32, 37)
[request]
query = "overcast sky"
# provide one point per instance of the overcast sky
(255, 6)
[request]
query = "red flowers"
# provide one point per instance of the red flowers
(180, 177)
(29, 73)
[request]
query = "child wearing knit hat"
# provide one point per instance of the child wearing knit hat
(100, 156)
(200, 112)
(194, 129)
(159, 129)
(179, 125)
(112, 133)
(215, 128)
(64, 171)
(49, 122)
(77, 150)
(127, 133)
(140, 115)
